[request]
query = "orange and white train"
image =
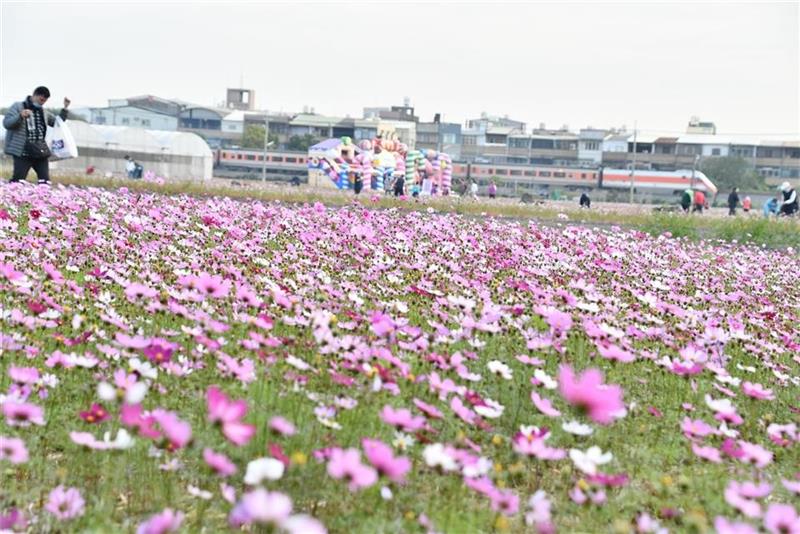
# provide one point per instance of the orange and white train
(285, 164)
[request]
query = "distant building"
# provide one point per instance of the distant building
(241, 99)
(696, 126)
(144, 111)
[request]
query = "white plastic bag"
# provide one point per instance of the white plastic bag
(59, 139)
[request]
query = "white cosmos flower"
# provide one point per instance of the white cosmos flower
(197, 492)
(499, 368)
(144, 368)
(386, 493)
(263, 468)
(106, 392)
(297, 363)
(435, 456)
(728, 379)
(579, 429)
(492, 410)
(121, 442)
(136, 393)
(589, 460)
(721, 405)
(545, 379)
(478, 469)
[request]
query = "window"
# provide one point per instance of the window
(559, 174)
(530, 173)
(449, 138)
(501, 172)
(591, 145)
(469, 140)
(516, 173)
(250, 157)
(544, 174)
(583, 176)
(125, 120)
(715, 152)
(291, 160)
(145, 122)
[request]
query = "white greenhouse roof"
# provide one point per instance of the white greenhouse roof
(125, 138)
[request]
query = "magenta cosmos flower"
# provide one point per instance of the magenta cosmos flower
(228, 414)
(402, 419)
(782, 519)
(382, 458)
(588, 393)
(65, 503)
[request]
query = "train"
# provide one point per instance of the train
(511, 179)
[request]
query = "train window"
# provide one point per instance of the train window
(250, 157)
(501, 172)
(224, 154)
(544, 174)
(291, 160)
(559, 174)
(516, 173)
(530, 173)
(238, 156)
(583, 175)
(277, 159)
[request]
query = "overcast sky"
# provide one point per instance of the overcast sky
(580, 64)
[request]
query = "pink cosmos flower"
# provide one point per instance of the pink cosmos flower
(95, 414)
(383, 459)
(347, 464)
(136, 290)
(711, 454)
(13, 521)
(281, 426)
(741, 496)
(23, 375)
(697, 428)
(13, 450)
(544, 405)
(755, 454)
(757, 391)
(266, 507)
(303, 524)
(504, 501)
(791, 485)
(402, 419)
(65, 503)
(537, 447)
(162, 523)
(428, 409)
(22, 413)
(229, 413)
(782, 519)
(178, 433)
(212, 285)
(219, 463)
(612, 352)
(589, 393)
(723, 526)
(131, 416)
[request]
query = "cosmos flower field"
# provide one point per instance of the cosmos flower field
(188, 364)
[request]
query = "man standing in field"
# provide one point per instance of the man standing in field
(699, 201)
(27, 123)
(733, 201)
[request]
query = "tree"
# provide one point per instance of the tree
(728, 172)
(253, 136)
(301, 143)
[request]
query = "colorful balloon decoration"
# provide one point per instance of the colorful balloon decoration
(378, 161)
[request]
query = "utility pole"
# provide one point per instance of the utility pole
(266, 143)
(633, 168)
(694, 166)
